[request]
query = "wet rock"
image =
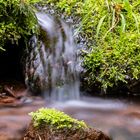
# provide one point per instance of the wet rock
(46, 134)
(14, 120)
(50, 59)
(134, 87)
(51, 124)
(12, 93)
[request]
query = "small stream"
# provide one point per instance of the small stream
(120, 119)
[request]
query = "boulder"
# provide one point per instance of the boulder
(50, 59)
(46, 134)
(49, 124)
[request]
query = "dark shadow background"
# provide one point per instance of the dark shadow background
(10, 63)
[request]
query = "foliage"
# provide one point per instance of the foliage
(55, 119)
(17, 20)
(112, 28)
(116, 55)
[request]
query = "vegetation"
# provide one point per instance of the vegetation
(115, 56)
(55, 119)
(112, 28)
(17, 20)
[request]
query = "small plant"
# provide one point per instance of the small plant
(55, 119)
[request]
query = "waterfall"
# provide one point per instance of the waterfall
(53, 60)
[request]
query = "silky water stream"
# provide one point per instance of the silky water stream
(57, 66)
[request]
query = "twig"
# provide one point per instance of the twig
(9, 91)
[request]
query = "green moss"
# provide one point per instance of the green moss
(55, 119)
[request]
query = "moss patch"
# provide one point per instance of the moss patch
(55, 120)
(51, 124)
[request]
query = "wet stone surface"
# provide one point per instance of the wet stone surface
(119, 119)
(15, 120)
(15, 104)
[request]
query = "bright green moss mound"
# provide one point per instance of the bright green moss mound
(55, 119)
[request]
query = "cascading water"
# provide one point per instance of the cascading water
(52, 63)
(51, 67)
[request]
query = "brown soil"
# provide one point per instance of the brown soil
(44, 133)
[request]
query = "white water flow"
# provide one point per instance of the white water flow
(61, 60)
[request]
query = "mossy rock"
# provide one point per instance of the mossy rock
(50, 124)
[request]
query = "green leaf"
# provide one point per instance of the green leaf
(113, 18)
(136, 21)
(123, 22)
(99, 25)
(2, 49)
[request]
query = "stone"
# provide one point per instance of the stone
(50, 59)
(46, 134)
(51, 124)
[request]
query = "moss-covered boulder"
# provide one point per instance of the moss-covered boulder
(50, 124)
